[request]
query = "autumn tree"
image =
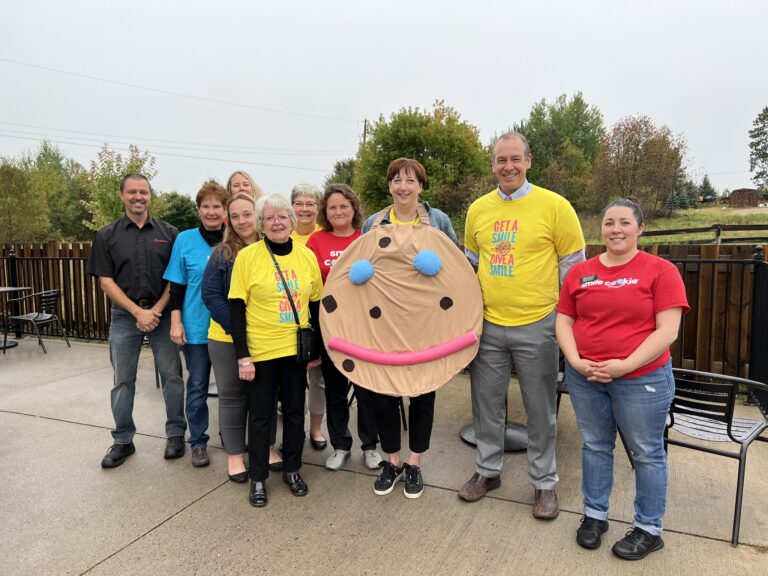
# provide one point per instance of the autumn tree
(448, 147)
(103, 182)
(638, 159)
(758, 150)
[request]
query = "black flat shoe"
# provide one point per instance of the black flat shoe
(276, 466)
(318, 444)
(297, 485)
(258, 495)
(239, 478)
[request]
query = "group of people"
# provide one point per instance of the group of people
(233, 296)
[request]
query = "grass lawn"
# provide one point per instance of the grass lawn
(690, 218)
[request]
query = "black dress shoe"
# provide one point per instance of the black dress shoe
(297, 485)
(588, 534)
(239, 478)
(258, 494)
(318, 444)
(117, 454)
(174, 447)
(637, 544)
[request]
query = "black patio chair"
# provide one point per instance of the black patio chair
(703, 408)
(46, 302)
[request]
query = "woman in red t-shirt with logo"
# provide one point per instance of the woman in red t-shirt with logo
(341, 217)
(618, 314)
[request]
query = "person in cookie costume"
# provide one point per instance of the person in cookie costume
(401, 314)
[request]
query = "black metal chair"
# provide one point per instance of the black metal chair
(46, 302)
(703, 408)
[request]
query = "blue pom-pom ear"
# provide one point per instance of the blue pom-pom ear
(427, 262)
(361, 271)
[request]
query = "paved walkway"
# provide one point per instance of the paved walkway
(61, 513)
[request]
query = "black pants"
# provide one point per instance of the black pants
(421, 415)
(337, 409)
(278, 378)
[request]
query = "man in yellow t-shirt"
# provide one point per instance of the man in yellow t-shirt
(522, 239)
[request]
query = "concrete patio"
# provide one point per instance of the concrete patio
(63, 514)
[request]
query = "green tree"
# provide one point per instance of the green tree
(706, 190)
(343, 172)
(62, 182)
(638, 159)
(23, 210)
(448, 147)
(758, 150)
(103, 182)
(565, 140)
(177, 209)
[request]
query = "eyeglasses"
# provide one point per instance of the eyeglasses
(280, 218)
(305, 204)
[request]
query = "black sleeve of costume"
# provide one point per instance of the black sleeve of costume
(314, 315)
(177, 296)
(239, 335)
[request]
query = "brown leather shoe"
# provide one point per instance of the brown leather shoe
(545, 504)
(477, 486)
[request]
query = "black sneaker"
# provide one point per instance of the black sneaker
(414, 485)
(117, 454)
(588, 534)
(390, 474)
(637, 544)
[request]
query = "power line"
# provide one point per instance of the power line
(227, 160)
(180, 94)
(184, 142)
(42, 136)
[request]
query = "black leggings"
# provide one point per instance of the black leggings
(421, 415)
(280, 378)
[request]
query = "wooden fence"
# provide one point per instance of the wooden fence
(715, 335)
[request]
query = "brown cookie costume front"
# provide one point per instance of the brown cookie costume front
(402, 332)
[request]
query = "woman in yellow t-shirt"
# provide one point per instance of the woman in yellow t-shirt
(264, 334)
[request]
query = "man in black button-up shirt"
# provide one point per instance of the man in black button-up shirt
(129, 256)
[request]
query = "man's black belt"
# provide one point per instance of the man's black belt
(146, 303)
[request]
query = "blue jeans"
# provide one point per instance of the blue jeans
(639, 407)
(199, 368)
(125, 342)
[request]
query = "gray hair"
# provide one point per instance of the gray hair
(279, 203)
(306, 190)
(508, 136)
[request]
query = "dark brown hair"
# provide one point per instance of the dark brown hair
(349, 194)
(410, 166)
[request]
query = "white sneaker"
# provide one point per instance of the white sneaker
(372, 459)
(336, 460)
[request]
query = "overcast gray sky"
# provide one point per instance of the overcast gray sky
(281, 89)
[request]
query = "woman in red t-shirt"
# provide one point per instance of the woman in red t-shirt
(341, 217)
(618, 314)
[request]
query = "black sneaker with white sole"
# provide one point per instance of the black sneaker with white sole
(386, 481)
(414, 485)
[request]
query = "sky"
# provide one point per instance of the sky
(282, 89)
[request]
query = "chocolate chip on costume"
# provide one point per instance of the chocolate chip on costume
(348, 365)
(375, 312)
(329, 303)
(384, 242)
(446, 303)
